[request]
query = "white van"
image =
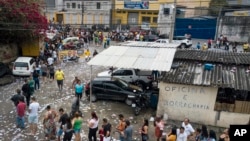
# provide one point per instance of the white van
(23, 66)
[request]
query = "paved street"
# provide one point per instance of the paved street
(49, 94)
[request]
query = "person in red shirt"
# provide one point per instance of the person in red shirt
(21, 108)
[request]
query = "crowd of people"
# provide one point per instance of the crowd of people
(222, 43)
(72, 125)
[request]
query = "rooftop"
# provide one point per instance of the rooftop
(228, 70)
(214, 57)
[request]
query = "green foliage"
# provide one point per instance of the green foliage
(215, 6)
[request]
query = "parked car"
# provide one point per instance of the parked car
(111, 88)
(150, 38)
(162, 41)
(68, 40)
(163, 36)
(184, 42)
(135, 76)
(23, 66)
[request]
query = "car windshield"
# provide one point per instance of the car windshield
(121, 83)
(21, 64)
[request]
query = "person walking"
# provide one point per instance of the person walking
(128, 132)
(32, 85)
(26, 91)
(21, 108)
(106, 130)
(59, 78)
(245, 47)
(44, 70)
(68, 131)
(62, 120)
(144, 130)
(159, 125)
(121, 126)
(79, 88)
(51, 72)
(36, 79)
(15, 98)
(33, 115)
(198, 46)
(93, 126)
(77, 126)
(87, 55)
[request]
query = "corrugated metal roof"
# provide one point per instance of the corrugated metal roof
(224, 57)
(149, 44)
(222, 75)
(144, 58)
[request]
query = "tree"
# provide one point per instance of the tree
(21, 20)
(215, 6)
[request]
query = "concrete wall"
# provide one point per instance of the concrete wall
(196, 103)
(235, 28)
(8, 52)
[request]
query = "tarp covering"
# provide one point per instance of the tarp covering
(144, 58)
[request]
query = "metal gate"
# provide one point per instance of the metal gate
(133, 19)
(198, 27)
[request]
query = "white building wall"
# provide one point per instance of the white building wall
(164, 21)
(195, 102)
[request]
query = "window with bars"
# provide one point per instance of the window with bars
(68, 5)
(73, 5)
(98, 5)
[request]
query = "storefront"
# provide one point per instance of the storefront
(135, 13)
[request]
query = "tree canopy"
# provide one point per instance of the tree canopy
(21, 19)
(215, 6)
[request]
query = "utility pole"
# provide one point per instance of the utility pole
(218, 23)
(171, 34)
(82, 12)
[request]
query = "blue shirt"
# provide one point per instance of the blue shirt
(79, 88)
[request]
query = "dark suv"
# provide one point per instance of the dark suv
(111, 88)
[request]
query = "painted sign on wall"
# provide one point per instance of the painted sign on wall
(180, 101)
(136, 4)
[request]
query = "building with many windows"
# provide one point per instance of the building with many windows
(87, 12)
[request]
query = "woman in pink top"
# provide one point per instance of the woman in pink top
(159, 125)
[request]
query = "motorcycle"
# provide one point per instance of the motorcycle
(70, 59)
(139, 102)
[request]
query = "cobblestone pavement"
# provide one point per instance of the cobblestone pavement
(49, 94)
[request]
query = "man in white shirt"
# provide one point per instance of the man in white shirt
(50, 60)
(33, 115)
(181, 135)
(189, 130)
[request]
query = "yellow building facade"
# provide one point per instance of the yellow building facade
(131, 13)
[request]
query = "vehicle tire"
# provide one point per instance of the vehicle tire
(128, 101)
(137, 111)
(183, 45)
(93, 98)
